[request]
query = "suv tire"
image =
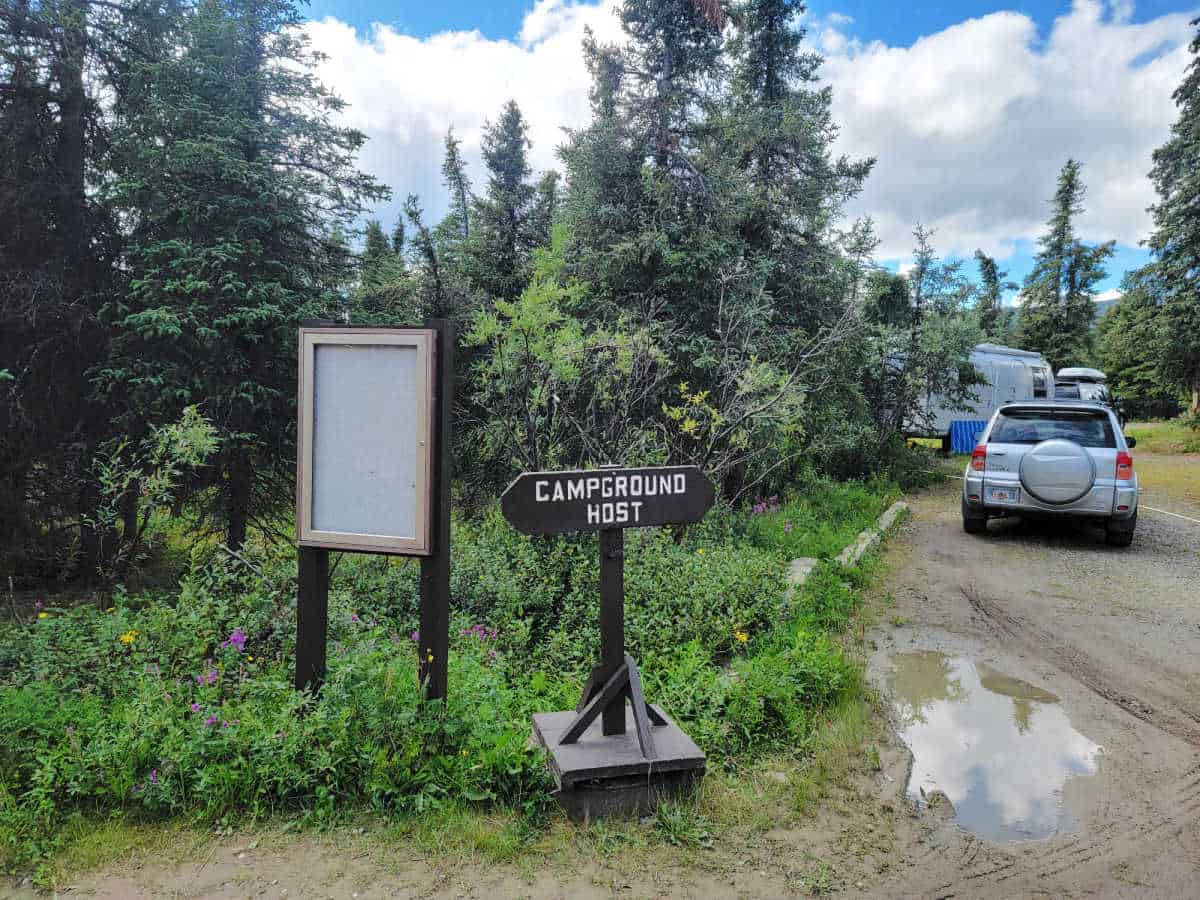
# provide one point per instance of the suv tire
(973, 524)
(1119, 532)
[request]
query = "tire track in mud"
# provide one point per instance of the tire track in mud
(1170, 718)
(1176, 805)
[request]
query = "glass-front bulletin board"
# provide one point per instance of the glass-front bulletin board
(365, 435)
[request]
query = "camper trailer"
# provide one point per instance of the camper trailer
(1010, 375)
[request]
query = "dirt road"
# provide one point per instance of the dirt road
(1112, 638)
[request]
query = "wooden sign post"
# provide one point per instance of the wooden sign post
(373, 473)
(609, 500)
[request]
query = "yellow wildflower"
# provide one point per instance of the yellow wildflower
(128, 637)
(43, 615)
(740, 636)
(429, 658)
(250, 658)
(110, 609)
(700, 552)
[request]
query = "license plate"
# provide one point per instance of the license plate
(1002, 495)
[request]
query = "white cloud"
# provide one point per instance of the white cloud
(1110, 294)
(970, 125)
(404, 92)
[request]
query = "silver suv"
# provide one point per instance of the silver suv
(1057, 458)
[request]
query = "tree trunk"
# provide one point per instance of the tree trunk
(1196, 395)
(237, 504)
(69, 156)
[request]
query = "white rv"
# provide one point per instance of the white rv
(1011, 375)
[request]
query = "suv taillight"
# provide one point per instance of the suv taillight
(1124, 466)
(979, 458)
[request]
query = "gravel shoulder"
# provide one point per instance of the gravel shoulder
(1116, 635)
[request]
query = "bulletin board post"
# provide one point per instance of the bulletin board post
(430, 541)
(435, 568)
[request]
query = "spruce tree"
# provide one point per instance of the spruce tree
(236, 180)
(780, 125)
(542, 217)
(498, 253)
(1130, 345)
(1176, 238)
(454, 176)
(59, 259)
(377, 249)
(1058, 309)
(993, 318)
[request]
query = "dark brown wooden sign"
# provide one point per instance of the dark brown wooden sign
(607, 498)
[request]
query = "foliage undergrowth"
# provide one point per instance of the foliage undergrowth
(180, 704)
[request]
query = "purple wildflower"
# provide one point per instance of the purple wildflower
(236, 640)
(195, 707)
(211, 721)
(415, 637)
(353, 617)
(154, 776)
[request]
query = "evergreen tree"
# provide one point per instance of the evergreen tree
(377, 249)
(545, 208)
(1130, 344)
(236, 180)
(454, 176)
(498, 253)
(672, 63)
(1058, 310)
(433, 293)
(1176, 238)
(398, 237)
(781, 126)
(58, 260)
(994, 319)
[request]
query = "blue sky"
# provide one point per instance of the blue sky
(885, 20)
(971, 107)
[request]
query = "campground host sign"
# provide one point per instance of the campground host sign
(597, 499)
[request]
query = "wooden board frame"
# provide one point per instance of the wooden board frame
(425, 342)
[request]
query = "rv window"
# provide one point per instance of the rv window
(1039, 383)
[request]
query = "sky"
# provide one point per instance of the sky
(969, 107)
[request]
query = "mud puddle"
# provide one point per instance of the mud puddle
(999, 749)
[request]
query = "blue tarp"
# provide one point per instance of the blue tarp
(964, 435)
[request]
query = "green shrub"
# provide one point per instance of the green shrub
(182, 704)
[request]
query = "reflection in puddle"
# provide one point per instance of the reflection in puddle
(1000, 749)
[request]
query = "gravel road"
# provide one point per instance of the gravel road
(1115, 634)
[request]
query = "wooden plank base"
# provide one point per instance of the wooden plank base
(607, 775)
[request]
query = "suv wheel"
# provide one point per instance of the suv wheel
(973, 524)
(1119, 532)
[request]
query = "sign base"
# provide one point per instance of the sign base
(601, 776)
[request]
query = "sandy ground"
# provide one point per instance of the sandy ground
(1114, 634)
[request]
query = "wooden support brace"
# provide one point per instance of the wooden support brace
(613, 692)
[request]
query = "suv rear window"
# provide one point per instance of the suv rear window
(1032, 426)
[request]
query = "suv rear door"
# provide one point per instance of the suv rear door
(1015, 430)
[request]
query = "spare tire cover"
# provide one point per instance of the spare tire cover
(1058, 472)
